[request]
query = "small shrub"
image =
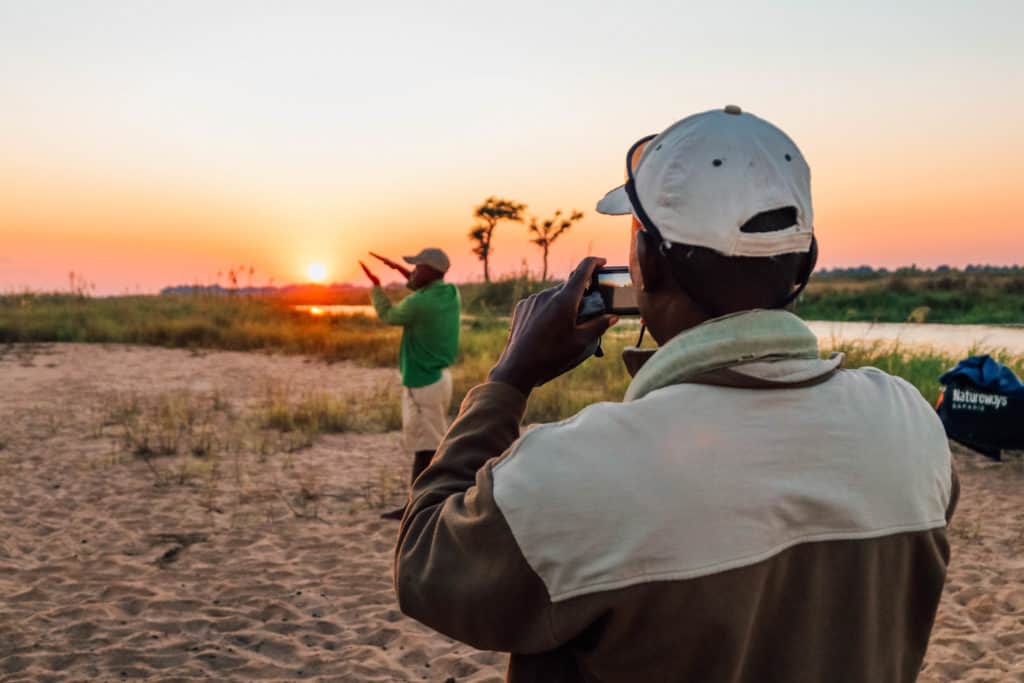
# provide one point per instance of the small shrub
(919, 315)
(320, 412)
(169, 424)
(1014, 286)
(898, 285)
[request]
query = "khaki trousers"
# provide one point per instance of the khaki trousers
(425, 414)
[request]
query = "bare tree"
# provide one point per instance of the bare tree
(488, 214)
(544, 233)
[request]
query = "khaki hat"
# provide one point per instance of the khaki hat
(701, 180)
(431, 256)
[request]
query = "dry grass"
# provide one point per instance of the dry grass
(193, 321)
(201, 441)
(317, 412)
(922, 368)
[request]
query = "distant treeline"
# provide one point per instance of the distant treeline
(868, 272)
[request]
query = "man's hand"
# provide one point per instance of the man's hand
(391, 264)
(545, 339)
(373, 278)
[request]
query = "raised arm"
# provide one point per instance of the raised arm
(402, 313)
(406, 272)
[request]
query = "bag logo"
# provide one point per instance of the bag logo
(973, 400)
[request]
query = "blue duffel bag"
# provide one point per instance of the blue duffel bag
(982, 406)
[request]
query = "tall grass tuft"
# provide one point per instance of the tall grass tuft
(919, 366)
(319, 412)
(176, 423)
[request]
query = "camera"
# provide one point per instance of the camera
(610, 291)
(615, 286)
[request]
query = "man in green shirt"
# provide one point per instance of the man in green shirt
(430, 341)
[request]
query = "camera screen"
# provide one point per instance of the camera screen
(617, 289)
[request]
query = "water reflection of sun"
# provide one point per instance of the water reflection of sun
(316, 272)
(316, 310)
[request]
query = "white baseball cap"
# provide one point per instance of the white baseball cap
(702, 179)
(431, 256)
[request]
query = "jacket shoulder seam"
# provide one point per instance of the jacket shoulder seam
(743, 561)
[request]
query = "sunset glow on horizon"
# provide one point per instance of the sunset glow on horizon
(144, 147)
(316, 272)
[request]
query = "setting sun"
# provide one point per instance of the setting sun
(316, 272)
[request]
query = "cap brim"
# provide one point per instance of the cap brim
(615, 203)
(411, 260)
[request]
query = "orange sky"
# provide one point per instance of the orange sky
(143, 148)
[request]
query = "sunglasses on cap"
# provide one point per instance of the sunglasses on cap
(636, 150)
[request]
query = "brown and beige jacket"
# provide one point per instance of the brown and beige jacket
(750, 512)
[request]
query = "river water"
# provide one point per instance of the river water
(957, 340)
(336, 310)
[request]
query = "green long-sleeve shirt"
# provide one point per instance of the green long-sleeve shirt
(430, 336)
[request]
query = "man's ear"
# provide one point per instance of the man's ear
(652, 267)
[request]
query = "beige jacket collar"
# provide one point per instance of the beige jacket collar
(752, 348)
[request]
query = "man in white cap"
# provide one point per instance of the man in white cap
(751, 512)
(430, 342)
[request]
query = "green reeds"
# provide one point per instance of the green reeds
(195, 321)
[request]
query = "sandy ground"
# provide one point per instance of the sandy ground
(275, 565)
